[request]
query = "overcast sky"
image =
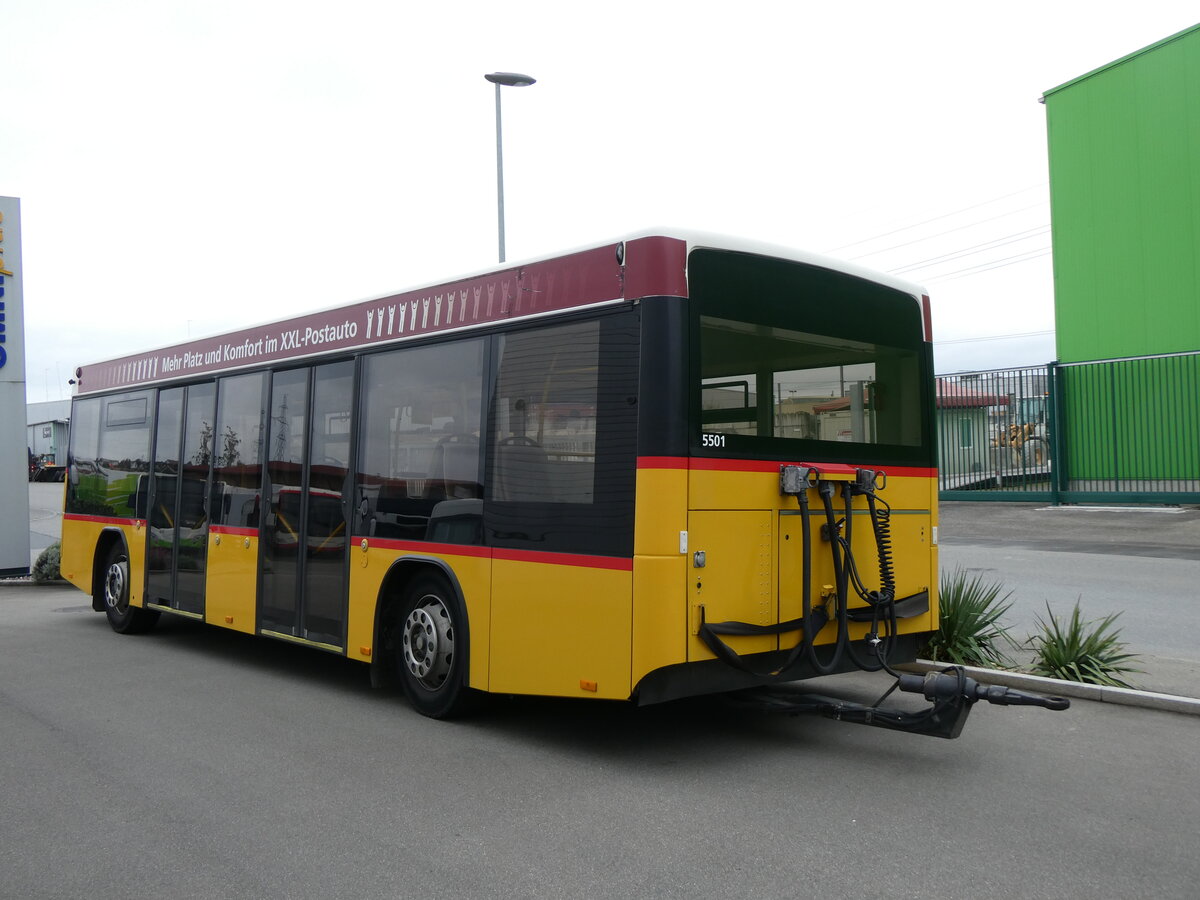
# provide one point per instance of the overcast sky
(186, 168)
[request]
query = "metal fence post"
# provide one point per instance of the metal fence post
(1056, 425)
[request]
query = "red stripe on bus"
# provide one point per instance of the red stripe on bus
(759, 465)
(565, 559)
(230, 529)
(103, 520)
(706, 464)
(545, 557)
(662, 462)
(425, 547)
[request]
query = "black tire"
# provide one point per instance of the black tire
(429, 646)
(114, 591)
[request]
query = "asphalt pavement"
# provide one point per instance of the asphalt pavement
(1159, 532)
(196, 762)
(45, 516)
(1141, 564)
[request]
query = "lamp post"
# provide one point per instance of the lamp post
(509, 79)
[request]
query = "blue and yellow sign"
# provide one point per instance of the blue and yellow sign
(12, 346)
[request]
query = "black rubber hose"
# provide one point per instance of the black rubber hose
(825, 489)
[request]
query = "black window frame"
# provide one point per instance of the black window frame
(414, 521)
(785, 293)
(134, 506)
(603, 527)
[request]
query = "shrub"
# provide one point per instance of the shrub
(45, 568)
(1090, 652)
(970, 633)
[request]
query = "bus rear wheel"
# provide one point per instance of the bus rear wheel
(430, 649)
(123, 618)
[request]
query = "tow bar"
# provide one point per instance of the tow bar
(951, 694)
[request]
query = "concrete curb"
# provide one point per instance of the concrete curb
(1052, 686)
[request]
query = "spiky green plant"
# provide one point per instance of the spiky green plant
(969, 630)
(1090, 652)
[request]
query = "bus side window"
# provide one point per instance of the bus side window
(237, 454)
(419, 441)
(85, 484)
(563, 438)
(545, 414)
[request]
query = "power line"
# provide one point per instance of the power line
(997, 337)
(984, 267)
(975, 248)
(937, 218)
(954, 230)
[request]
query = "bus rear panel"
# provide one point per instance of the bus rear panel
(789, 364)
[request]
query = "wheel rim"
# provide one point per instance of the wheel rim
(428, 642)
(115, 596)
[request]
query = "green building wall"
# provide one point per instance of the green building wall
(1124, 148)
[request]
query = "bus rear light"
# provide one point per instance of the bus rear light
(588, 685)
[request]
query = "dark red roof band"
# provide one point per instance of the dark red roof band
(627, 270)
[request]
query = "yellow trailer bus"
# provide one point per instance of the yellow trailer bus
(663, 466)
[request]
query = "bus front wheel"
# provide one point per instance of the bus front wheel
(123, 618)
(430, 649)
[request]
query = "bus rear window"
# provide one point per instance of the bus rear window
(763, 381)
(796, 361)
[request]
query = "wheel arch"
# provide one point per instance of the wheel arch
(109, 537)
(400, 575)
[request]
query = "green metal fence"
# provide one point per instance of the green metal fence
(1107, 431)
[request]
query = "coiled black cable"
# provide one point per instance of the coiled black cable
(881, 602)
(881, 523)
(850, 568)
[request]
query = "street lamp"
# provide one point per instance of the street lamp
(508, 79)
